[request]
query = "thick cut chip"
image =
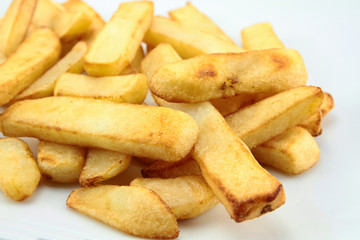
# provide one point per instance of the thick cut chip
(214, 76)
(59, 162)
(138, 130)
(102, 164)
(72, 25)
(19, 173)
(134, 210)
(187, 196)
(115, 46)
(186, 41)
(260, 36)
(130, 88)
(34, 56)
(15, 24)
(293, 152)
(44, 86)
(259, 122)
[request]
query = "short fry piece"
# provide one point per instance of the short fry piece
(115, 46)
(19, 173)
(187, 196)
(44, 86)
(260, 36)
(137, 130)
(103, 164)
(293, 152)
(328, 104)
(34, 56)
(214, 76)
(130, 88)
(134, 210)
(259, 122)
(15, 23)
(59, 162)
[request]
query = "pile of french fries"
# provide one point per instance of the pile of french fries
(223, 110)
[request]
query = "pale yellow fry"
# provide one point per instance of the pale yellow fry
(260, 36)
(115, 46)
(134, 210)
(191, 17)
(130, 88)
(102, 164)
(60, 162)
(187, 196)
(34, 56)
(44, 86)
(259, 122)
(186, 41)
(19, 173)
(328, 104)
(72, 25)
(15, 24)
(293, 152)
(137, 130)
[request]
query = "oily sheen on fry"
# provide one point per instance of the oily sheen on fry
(137, 130)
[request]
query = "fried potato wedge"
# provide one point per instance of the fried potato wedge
(260, 36)
(19, 173)
(214, 76)
(115, 47)
(134, 210)
(101, 164)
(191, 17)
(138, 130)
(313, 123)
(259, 122)
(44, 86)
(186, 41)
(60, 162)
(15, 24)
(162, 169)
(187, 196)
(34, 56)
(327, 105)
(130, 88)
(72, 25)
(293, 151)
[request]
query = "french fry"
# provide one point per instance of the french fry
(293, 152)
(101, 164)
(214, 76)
(259, 122)
(44, 86)
(187, 196)
(260, 36)
(34, 56)
(137, 130)
(134, 210)
(115, 47)
(313, 123)
(59, 162)
(15, 24)
(327, 105)
(186, 41)
(19, 173)
(191, 17)
(130, 88)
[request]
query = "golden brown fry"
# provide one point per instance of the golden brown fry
(259, 122)
(137, 130)
(115, 47)
(44, 86)
(102, 164)
(328, 104)
(260, 36)
(59, 162)
(224, 75)
(131, 88)
(15, 24)
(34, 56)
(19, 173)
(187, 196)
(134, 210)
(313, 123)
(187, 42)
(293, 152)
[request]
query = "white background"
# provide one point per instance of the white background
(322, 203)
